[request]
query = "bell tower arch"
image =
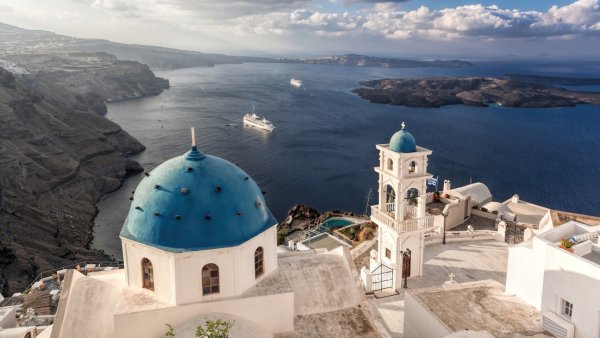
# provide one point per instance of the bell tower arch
(401, 209)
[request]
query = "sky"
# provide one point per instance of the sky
(453, 28)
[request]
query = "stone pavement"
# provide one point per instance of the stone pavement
(468, 260)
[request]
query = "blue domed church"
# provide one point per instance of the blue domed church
(198, 217)
(199, 243)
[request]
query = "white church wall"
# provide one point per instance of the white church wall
(244, 259)
(236, 268)
(419, 322)
(273, 313)
(415, 245)
(162, 265)
(389, 247)
(188, 274)
(178, 276)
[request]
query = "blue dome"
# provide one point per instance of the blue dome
(403, 142)
(196, 202)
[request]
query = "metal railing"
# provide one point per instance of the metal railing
(401, 226)
(390, 207)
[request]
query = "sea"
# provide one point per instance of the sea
(322, 152)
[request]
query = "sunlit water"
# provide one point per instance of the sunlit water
(322, 152)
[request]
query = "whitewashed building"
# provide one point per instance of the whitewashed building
(400, 212)
(200, 243)
(561, 284)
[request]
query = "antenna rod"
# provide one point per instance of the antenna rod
(193, 137)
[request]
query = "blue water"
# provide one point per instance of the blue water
(336, 222)
(322, 152)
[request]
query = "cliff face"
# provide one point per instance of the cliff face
(56, 160)
(477, 91)
(93, 77)
(121, 81)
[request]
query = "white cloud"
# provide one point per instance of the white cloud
(383, 19)
(305, 24)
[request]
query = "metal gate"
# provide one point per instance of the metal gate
(383, 278)
(514, 233)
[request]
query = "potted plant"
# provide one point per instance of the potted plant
(567, 244)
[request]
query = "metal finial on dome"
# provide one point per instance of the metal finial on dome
(194, 154)
(402, 125)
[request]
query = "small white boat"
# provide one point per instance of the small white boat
(296, 82)
(253, 120)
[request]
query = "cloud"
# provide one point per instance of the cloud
(6, 9)
(348, 2)
(579, 18)
(223, 9)
(305, 20)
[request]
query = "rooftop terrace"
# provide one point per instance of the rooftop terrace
(480, 306)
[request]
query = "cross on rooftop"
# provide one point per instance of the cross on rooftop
(193, 137)
(451, 275)
(403, 125)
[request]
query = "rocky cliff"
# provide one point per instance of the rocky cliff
(477, 91)
(56, 160)
(93, 77)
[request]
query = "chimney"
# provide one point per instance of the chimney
(446, 186)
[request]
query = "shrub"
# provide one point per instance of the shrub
(566, 243)
(280, 238)
(214, 329)
(170, 332)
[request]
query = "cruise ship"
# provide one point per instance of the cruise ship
(295, 82)
(254, 120)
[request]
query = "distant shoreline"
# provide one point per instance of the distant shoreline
(525, 91)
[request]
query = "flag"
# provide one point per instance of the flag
(432, 181)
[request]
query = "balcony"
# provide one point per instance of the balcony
(401, 226)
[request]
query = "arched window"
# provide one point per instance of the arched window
(210, 279)
(390, 164)
(412, 168)
(259, 265)
(147, 274)
(390, 199)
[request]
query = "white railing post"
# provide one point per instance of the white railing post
(400, 226)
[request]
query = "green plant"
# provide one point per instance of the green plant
(214, 329)
(280, 238)
(566, 243)
(170, 332)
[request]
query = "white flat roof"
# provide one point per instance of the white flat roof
(480, 306)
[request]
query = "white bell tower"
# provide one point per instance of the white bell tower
(400, 213)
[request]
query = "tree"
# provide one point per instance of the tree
(214, 329)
